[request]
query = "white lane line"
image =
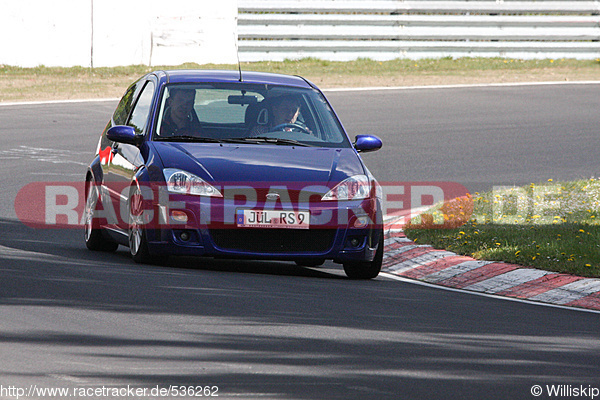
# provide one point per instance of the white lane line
(460, 86)
(374, 88)
(489, 295)
(37, 103)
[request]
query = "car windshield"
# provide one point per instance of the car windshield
(247, 113)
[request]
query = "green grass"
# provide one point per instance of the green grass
(313, 65)
(551, 226)
(44, 83)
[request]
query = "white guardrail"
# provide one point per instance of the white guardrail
(388, 29)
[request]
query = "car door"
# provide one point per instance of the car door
(126, 158)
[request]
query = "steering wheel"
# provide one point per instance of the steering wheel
(281, 127)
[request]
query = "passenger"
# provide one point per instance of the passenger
(179, 118)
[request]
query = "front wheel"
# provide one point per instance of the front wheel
(138, 240)
(138, 243)
(366, 269)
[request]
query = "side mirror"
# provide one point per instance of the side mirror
(366, 143)
(123, 134)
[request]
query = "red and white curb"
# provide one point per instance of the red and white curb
(403, 257)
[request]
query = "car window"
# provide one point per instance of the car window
(139, 116)
(124, 108)
(213, 106)
(245, 110)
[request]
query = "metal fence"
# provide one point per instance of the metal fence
(389, 29)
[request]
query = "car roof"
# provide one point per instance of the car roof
(189, 76)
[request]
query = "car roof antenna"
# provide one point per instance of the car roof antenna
(237, 53)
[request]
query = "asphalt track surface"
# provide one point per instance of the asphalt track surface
(267, 330)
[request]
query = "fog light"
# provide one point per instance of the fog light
(179, 216)
(361, 222)
(354, 242)
(184, 236)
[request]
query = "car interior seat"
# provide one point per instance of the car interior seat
(256, 114)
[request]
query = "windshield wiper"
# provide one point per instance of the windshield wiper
(189, 138)
(264, 139)
(258, 139)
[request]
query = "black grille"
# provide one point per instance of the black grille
(274, 240)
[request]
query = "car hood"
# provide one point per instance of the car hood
(261, 163)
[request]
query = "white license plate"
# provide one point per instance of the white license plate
(272, 219)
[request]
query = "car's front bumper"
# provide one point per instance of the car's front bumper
(344, 232)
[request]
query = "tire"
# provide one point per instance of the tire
(93, 236)
(137, 237)
(366, 269)
(138, 242)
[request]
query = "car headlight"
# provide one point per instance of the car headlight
(356, 187)
(183, 182)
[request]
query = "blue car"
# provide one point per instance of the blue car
(232, 164)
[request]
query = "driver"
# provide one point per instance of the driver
(285, 110)
(180, 117)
